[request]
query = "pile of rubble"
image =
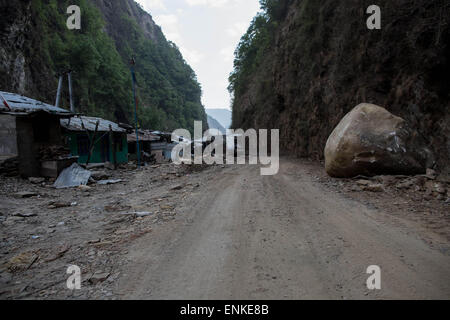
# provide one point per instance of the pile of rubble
(430, 185)
(53, 152)
(9, 167)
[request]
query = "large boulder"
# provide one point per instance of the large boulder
(372, 141)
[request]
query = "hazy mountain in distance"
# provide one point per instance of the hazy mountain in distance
(223, 116)
(214, 124)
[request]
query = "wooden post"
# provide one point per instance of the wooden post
(113, 146)
(92, 144)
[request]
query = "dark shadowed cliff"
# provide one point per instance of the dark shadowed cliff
(304, 64)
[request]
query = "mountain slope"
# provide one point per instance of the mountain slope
(36, 46)
(221, 115)
(214, 124)
(303, 64)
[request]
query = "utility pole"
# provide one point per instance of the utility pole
(133, 76)
(72, 107)
(58, 93)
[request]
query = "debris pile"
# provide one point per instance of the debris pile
(53, 152)
(9, 167)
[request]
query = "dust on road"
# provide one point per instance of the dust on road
(246, 236)
(224, 233)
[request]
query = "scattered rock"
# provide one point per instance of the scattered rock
(94, 166)
(374, 188)
(116, 208)
(166, 207)
(99, 277)
(99, 175)
(10, 221)
(125, 231)
(85, 188)
(34, 180)
(60, 252)
(178, 187)
(431, 174)
(58, 205)
(440, 188)
(138, 214)
(363, 182)
(386, 180)
(143, 214)
(109, 166)
(105, 182)
(372, 141)
(405, 185)
(26, 215)
(25, 194)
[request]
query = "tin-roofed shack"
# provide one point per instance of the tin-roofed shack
(30, 132)
(152, 144)
(110, 140)
(146, 138)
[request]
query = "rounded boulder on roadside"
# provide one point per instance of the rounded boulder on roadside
(372, 141)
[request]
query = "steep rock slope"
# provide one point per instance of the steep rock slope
(36, 45)
(304, 64)
(221, 115)
(214, 124)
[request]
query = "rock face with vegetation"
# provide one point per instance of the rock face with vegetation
(36, 46)
(371, 141)
(304, 64)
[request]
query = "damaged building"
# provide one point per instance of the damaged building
(30, 135)
(95, 140)
(152, 145)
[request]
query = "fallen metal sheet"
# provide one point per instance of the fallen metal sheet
(71, 177)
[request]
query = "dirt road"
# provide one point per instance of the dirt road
(244, 236)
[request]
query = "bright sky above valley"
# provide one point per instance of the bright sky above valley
(207, 33)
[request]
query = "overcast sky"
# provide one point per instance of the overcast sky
(207, 33)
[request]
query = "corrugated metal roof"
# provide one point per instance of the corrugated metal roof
(21, 105)
(144, 136)
(89, 123)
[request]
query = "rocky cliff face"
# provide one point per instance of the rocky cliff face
(35, 46)
(112, 10)
(14, 25)
(322, 61)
